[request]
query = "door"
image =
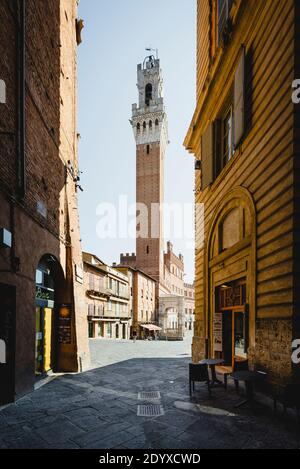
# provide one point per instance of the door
(7, 337)
(43, 340)
(227, 337)
(234, 336)
(239, 336)
(91, 329)
(39, 355)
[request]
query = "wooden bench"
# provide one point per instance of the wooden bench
(239, 365)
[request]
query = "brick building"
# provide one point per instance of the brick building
(42, 310)
(245, 137)
(108, 300)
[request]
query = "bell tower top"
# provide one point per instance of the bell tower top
(149, 120)
(150, 83)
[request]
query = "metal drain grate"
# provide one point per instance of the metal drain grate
(149, 395)
(150, 410)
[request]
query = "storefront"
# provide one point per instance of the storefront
(149, 331)
(230, 323)
(44, 321)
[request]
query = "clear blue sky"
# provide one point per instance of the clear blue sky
(114, 39)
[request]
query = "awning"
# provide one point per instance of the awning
(151, 327)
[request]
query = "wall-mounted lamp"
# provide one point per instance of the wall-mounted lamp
(2, 92)
(5, 238)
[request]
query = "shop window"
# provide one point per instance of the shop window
(91, 330)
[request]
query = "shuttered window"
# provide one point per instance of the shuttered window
(91, 282)
(239, 100)
(224, 7)
(207, 152)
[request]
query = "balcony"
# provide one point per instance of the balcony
(99, 293)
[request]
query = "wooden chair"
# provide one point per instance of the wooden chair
(239, 365)
(198, 374)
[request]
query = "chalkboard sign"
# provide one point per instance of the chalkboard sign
(64, 326)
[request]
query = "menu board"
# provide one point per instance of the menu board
(65, 325)
(218, 333)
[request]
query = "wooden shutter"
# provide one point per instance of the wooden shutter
(239, 100)
(217, 147)
(207, 154)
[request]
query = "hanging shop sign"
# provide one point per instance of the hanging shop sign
(44, 297)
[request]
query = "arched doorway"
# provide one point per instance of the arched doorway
(49, 282)
(171, 316)
(230, 280)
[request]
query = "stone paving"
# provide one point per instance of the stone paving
(98, 408)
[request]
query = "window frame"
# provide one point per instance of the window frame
(227, 157)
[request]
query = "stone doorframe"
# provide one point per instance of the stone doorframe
(235, 263)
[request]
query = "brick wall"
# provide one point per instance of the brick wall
(51, 141)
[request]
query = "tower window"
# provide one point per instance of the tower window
(148, 149)
(148, 250)
(144, 125)
(156, 122)
(148, 94)
(138, 127)
(150, 124)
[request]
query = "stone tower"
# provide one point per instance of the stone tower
(149, 122)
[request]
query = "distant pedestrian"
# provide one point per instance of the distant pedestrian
(134, 336)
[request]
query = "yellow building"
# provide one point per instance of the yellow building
(245, 140)
(142, 301)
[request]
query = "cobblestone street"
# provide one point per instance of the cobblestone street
(98, 409)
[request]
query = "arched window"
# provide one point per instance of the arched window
(144, 125)
(156, 122)
(148, 94)
(138, 127)
(150, 124)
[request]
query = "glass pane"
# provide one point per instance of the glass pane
(239, 339)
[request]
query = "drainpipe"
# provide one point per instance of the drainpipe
(21, 71)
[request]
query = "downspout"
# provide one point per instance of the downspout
(21, 76)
